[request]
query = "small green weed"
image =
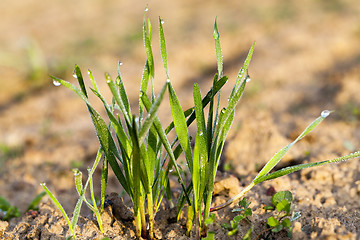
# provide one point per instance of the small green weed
(244, 211)
(283, 215)
(7, 211)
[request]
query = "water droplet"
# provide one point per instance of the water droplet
(146, 9)
(162, 21)
(242, 71)
(248, 79)
(56, 83)
(74, 74)
(120, 63)
(171, 170)
(141, 93)
(201, 133)
(168, 80)
(325, 113)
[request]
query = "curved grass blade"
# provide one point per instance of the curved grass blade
(57, 203)
(148, 49)
(288, 170)
(243, 72)
(36, 201)
(279, 155)
(163, 49)
(80, 79)
(262, 176)
(205, 101)
(180, 125)
(103, 133)
(119, 98)
(152, 114)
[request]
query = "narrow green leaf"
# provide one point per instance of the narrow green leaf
(135, 166)
(191, 113)
(78, 181)
(92, 79)
(119, 99)
(57, 203)
(104, 179)
(180, 125)
(143, 87)
(196, 176)
(123, 94)
(80, 79)
(165, 142)
(242, 75)
(152, 114)
(163, 48)
(148, 49)
(35, 202)
(109, 147)
(219, 55)
(203, 141)
(288, 170)
(279, 155)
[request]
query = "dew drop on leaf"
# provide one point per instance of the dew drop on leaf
(248, 79)
(74, 74)
(325, 113)
(56, 83)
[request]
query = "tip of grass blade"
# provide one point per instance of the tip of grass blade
(216, 34)
(325, 113)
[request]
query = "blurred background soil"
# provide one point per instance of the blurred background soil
(306, 59)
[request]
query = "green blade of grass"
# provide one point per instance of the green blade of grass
(203, 141)
(279, 155)
(103, 133)
(152, 114)
(163, 49)
(116, 124)
(123, 94)
(119, 99)
(57, 203)
(80, 79)
(109, 147)
(262, 176)
(148, 49)
(143, 87)
(242, 73)
(288, 170)
(190, 112)
(135, 165)
(180, 125)
(219, 56)
(35, 202)
(165, 142)
(104, 178)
